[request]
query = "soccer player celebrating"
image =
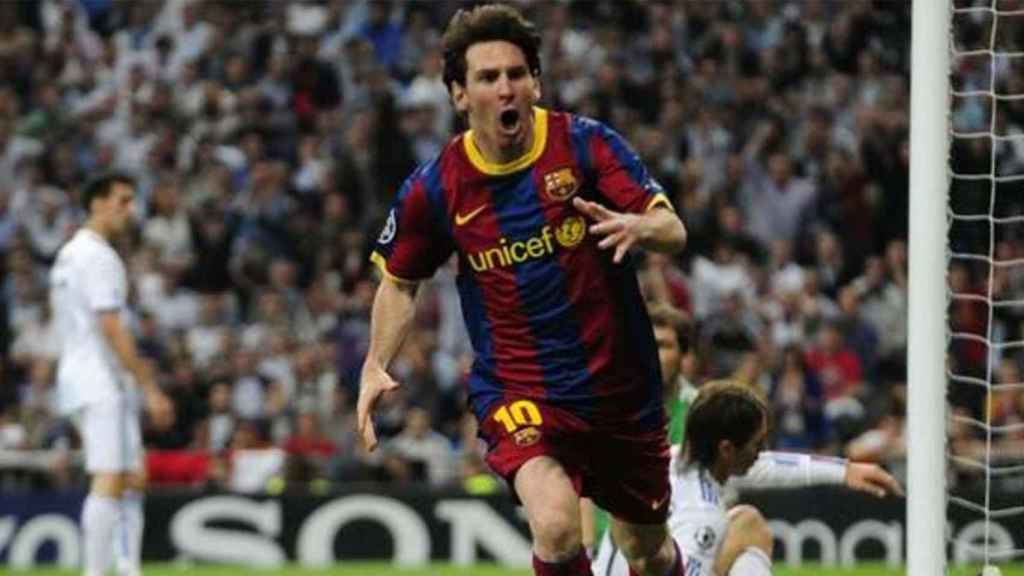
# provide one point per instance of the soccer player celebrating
(541, 209)
(88, 291)
(726, 431)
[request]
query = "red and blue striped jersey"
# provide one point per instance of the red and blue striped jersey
(550, 316)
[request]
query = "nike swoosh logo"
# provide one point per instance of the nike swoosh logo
(461, 219)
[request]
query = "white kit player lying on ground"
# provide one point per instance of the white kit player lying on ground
(726, 431)
(98, 361)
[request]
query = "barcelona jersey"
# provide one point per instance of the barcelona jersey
(550, 316)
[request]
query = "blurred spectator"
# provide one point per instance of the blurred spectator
(728, 335)
(190, 408)
(48, 222)
(967, 446)
(884, 306)
(36, 340)
(167, 227)
(428, 453)
(269, 138)
(798, 404)
(221, 422)
(208, 339)
(39, 404)
(339, 423)
(838, 369)
(13, 435)
(886, 442)
(252, 462)
(778, 203)
(307, 440)
(857, 333)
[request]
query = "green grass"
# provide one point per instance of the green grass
(479, 570)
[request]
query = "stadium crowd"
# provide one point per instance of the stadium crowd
(268, 139)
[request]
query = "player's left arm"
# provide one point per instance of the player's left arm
(789, 469)
(658, 229)
(630, 207)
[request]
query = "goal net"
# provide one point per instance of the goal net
(981, 453)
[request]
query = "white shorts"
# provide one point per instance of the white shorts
(111, 436)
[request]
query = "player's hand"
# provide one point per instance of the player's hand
(620, 231)
(374, 382)
(872, 479)
(161, 410)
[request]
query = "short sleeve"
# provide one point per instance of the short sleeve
(622, 179)
(413, 243)
(105, 286)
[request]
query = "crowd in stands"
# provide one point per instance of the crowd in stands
(268, 139)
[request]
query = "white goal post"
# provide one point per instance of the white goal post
(931, 39)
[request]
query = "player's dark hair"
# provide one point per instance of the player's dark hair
(487, 23)
(100, 186)
(666, 316)
(723, 410)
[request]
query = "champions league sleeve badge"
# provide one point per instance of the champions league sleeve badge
(390, 227)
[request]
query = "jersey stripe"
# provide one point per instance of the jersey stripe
(629, 161)
(580, 131)
(620, 345)
(543, 297)
(484, 388)
(510, 360)
(639, 337)
(434, 190)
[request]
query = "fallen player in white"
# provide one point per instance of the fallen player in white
(726, 431)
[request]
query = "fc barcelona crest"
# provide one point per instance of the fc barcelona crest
(560, 184)
(526, 437)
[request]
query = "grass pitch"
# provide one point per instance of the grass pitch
(479, 570)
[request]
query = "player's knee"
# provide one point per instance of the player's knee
(640, 548)
(750, 527)
(557, 532)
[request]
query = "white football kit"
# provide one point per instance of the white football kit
(88, 278)
(697, 515)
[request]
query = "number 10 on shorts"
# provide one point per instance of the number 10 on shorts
(518, 413)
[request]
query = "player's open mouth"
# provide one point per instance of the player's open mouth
(510, 121)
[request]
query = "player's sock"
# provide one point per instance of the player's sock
(130, 534)
(678, 567)
(752, 562)
(578, 565)
(99, 515)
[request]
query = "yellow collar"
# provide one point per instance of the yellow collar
(540, 139)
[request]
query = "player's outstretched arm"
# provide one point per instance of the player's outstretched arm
(392, 314)
(872, 479)
(658, 229)
(159, 407)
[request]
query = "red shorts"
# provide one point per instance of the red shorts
(624, 471)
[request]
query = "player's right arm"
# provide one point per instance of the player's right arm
(390, 320)
(123, 344)
(410, 248)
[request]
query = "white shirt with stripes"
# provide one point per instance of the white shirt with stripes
(697, 515)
